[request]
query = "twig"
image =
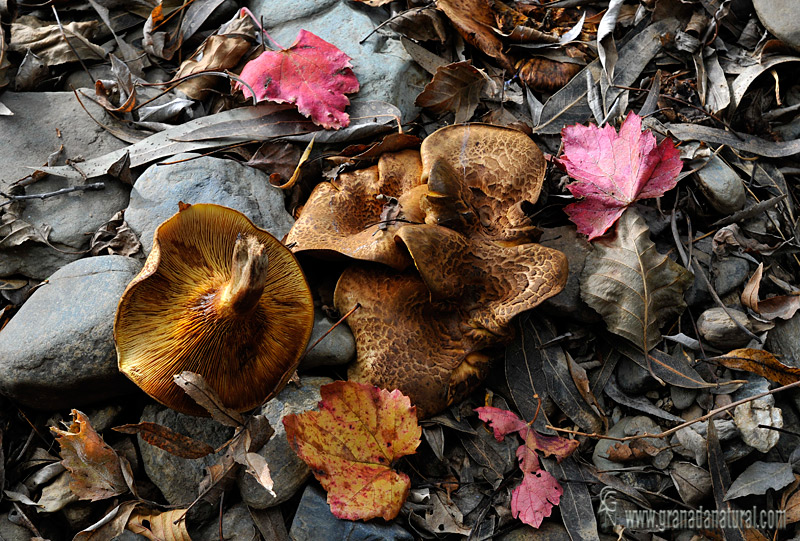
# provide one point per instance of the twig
(682, 425)
(71, 48)
(341, 320)
(88, 187)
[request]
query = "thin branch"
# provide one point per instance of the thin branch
(672, 430)
(62, 191)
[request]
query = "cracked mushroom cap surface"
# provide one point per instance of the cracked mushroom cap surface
(357, 215)
(219, 297)
(429, 333)
(502, 168)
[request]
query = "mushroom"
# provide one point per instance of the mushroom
(430, 333)
(357, 215)
(501, 168)
(220, 297)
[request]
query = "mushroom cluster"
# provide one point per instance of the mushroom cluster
(446, 258)
(219, 297)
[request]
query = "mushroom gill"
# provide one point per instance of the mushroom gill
(220, 297)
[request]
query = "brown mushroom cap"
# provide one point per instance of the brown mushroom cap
(220, 297)
(349, 217)
(427, 334)
(501, 167)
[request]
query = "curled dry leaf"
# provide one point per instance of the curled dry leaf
(455, 88)
(351, 445)
(216, 53)
(93, 465)
(168, 526)
(475, 21)
(634, 288)
(46, 41)
(614, 170)
(779, 306)
(312, 74)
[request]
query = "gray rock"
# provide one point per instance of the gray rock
(12, 532)
(179, 478)
(576, 248)
(336, 349)
(73, 218)
(784, 340)
(551, 531)
(314, 521)
(633, 379)
(780, 17)
(158, 190)
(30, 136)
(288, 471)
(58, 350)
(682, 398)
(721, 185)
(729, 273)
(716, 327)
(383, 67)
(236, 524)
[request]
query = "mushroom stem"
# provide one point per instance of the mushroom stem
(248, 277)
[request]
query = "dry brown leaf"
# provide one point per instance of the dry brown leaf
(111, 526)
(780, 306)
(160, 526)
(93, 465)
(216, 53)
(475, 21)
(455, 88)
(196, 387)
(46, 41)
(760, 362)
(168, 440)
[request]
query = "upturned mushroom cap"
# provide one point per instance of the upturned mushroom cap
(358, 214)
(220, 297)
(500, 167)
(427, 334)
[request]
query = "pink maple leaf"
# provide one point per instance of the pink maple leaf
(535, 497)
(312, 74)
(614, 170)
(539, 491)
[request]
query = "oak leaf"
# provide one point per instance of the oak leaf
(312, 74)
(539, 491)
(612, 170)
(351, 445)
(93, 465)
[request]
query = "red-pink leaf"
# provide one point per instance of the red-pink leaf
(312, 74)
(503, 422)
(555, 446)
(535, 497)
(614, 170)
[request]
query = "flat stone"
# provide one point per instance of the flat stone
(30, 136)
(288, 471)
(314, 521)
(568, 302)
(58, 350)
(721, 186)
(336, 349)
(384, 69)
(72, 218)
(158, 190)
(780, 17)
(179, 478)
